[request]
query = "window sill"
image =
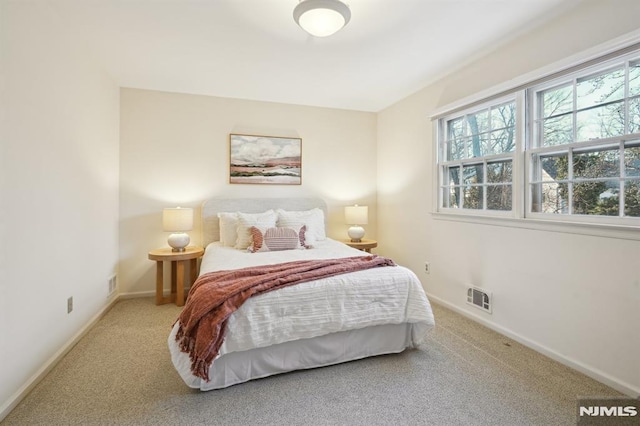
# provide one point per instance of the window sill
(623, 232)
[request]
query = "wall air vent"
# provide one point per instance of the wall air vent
(113, 284)
(479, 298)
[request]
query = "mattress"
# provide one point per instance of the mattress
(312, 324)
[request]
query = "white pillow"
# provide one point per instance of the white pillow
(313, 219)
(247, 220)
(228, 228)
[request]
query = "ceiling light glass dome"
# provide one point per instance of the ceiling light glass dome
(321, 18)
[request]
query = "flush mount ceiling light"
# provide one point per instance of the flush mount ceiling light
(321, 18)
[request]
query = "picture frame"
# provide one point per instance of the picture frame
(274, 160)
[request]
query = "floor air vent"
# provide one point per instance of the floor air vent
(479, 298)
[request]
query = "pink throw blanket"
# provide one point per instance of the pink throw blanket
(216, 295)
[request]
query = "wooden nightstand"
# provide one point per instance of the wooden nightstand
(365, 245)
(178, 260)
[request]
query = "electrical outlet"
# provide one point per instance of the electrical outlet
(427, 267)
(70, 305)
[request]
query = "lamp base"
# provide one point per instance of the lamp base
(178, 241)
(356, 233)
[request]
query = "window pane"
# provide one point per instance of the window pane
(596, 198)
(632, 198)
(634, 115)
(536, 198)
(557, 101)
(472, 174)
(499, 197)
(552, 167)
(476, 146)
(479, 146)
(455, 150)
(601, 88)
(602, 122)
(473, 196)
(548, 198)
(632, 161)
(451, 175)
(596, 164)
(503, 116)
(557, 131)
(455, 128)
(502, 141)
(450, 196)
(478, 122)
(500, 171)
(634, 78)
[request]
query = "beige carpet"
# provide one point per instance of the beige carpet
(120, 373)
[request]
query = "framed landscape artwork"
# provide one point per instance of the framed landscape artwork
(265, 159)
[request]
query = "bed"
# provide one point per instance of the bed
(312, 324)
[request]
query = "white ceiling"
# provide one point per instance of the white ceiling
(252, 49)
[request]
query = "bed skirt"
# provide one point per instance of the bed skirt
(238, 367)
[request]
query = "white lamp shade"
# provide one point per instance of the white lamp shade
(321, 18)
(356, 215)
(177, 219)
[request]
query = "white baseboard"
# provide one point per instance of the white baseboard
(602, 377)
(137, 294)
(15, 399)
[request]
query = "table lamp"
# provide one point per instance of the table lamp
(356, 216)
(177, 220)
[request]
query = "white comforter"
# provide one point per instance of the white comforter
(388, 295)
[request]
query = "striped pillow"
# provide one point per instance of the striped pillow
(276, 239)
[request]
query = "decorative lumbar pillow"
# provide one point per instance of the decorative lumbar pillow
(277, 238)
(247, 220)
(228, 228)
(313, 219)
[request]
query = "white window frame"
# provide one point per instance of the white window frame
(617, 142)
(521, 217)
(514, 156)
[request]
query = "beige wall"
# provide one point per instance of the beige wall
(574, 297)
(59, 192)
(175, 151)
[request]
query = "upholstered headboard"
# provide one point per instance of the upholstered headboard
(213, 206)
